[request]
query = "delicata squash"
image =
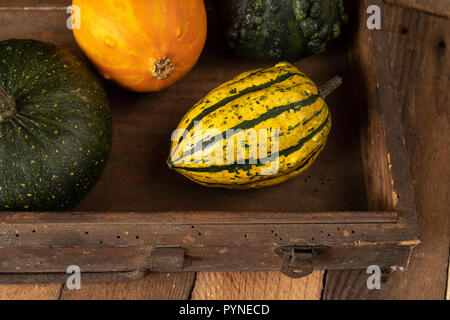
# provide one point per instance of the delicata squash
(258, 129)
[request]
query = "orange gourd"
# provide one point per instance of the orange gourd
(143, 45)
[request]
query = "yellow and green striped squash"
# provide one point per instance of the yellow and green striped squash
(280, 97)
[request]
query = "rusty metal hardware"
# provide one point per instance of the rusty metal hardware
(299, 261)
(168, 259)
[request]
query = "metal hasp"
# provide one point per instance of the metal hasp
(299, 261)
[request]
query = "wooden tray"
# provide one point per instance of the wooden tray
(353, 208)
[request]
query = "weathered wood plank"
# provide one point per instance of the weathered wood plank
(214, 217)
(440, 8)
(35, 4)
(30, 291)
(270, 235)
(420, 60)
(256, 286)
(16, 263)
(155, 286)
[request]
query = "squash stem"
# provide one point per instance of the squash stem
(330, 86)
(163, 68)
(7, 105)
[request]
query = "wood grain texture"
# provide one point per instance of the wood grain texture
(256, 285)
(32, 4)
(196, 218)
(156, 286)
(420, 59)
(30, 292)
(436, 7)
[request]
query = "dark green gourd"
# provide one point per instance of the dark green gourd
(280, 29)
(55, 127)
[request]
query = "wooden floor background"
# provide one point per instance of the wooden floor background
(419, 33)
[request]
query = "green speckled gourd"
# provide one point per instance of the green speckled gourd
(55, 127)
(280, 29)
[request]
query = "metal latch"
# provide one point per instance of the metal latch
(168, 259)
(299, 261)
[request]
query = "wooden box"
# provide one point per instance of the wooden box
(353, 208)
